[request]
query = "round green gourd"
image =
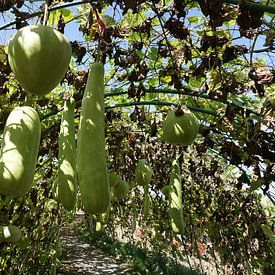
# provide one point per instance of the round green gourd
(175, 199)
(180, 127)
(91, 155)
(10, 233)
(143, 172)
(66, 186)
(39, 57)
(114, 178)
(19, 151)
(121, 190)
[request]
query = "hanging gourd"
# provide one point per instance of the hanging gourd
(121, 190)
(143, 172)
(91, 155)
(180, 127)
(10, 233)
(114, 178)
(19, 151)
(165, 190)
(147, 202)
(175, 199)
(66, 185)
(39, 57)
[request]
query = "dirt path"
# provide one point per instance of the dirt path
(82, 258)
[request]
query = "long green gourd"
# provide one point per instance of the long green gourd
(91, 155)
(66, 176)
(10, 233)
(19, 151)
(175, 199)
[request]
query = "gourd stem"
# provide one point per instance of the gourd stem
(99, 55)
(45, 16)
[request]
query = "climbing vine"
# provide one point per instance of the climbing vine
(215, 57)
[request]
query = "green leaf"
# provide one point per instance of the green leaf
(108, 20)
(3, 55)
(153, 55)
(256, 184)
(193, 19)
(267, 231)
(65, 13)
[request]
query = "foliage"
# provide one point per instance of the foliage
(217, 211)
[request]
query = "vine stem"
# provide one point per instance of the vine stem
(50, 9)
(252, 5)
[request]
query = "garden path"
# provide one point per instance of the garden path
(82, 258)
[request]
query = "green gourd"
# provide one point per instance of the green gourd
(121, 190)
(175, 199)
(66, 185)
(10, 233)
(165, 190)
(39, 57)
(114, 178)
(91, 155)
(19, 151)
(180, 127)
(143, 172)
(147, 203)
(101, 221)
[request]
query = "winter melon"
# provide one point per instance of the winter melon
(143, 172)
(66, 176)
(91, 156)
(114, 178)
(121, 190)
(39, 57)
(180, 127)
(19, 151)
(175, 199)
(10, 233)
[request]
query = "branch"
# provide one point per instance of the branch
(161, 103)
(57, 7)
(185, 91)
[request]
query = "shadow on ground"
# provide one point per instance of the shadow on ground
(82, 258)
